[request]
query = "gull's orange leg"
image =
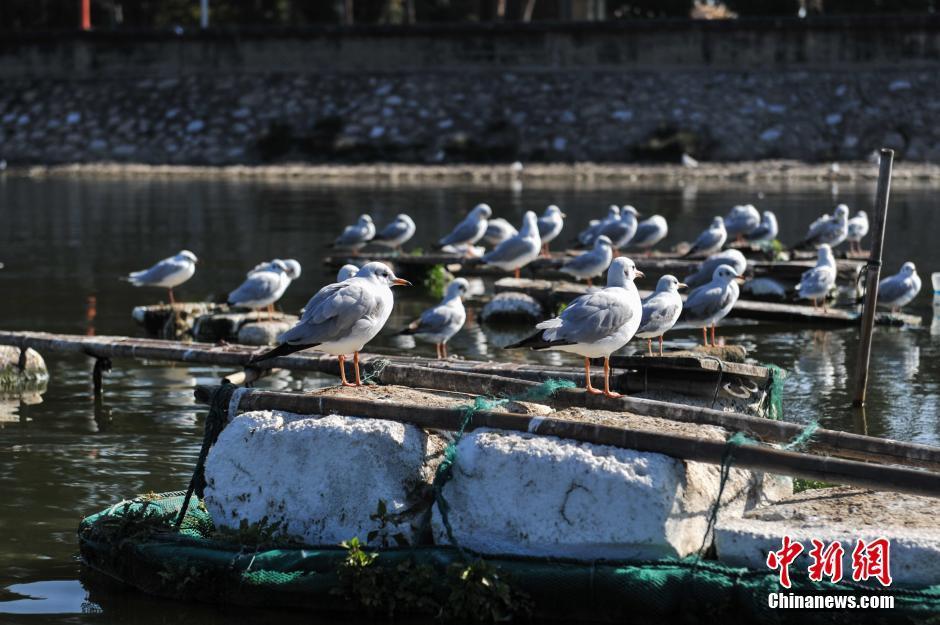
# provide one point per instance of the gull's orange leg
(649, 346)
(590, 282)
(437, 346)
(705, 335)
(518, 273)
(714, 344)
(660, 344)
(356, 367)
(172, 301)
(342, 371)
(607, 391)
(587, 377)
(444, 350)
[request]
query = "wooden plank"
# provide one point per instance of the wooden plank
(751, 456)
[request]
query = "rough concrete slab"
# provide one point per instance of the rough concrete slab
(262, 332)
(512, 307)
(32, 376)
(844, 514)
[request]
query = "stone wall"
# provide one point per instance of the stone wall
(831, 90)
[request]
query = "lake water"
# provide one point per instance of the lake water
(63, 240)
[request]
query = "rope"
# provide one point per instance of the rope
(215, 423)
(376, 368)
(775, 385)
(445, 470)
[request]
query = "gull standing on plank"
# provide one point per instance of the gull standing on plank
(706, 269)
(661, 310)
(621, 230)
(497, 231)
(346, 272)
(169, 273)
(262, 287)
(341, 318)
(589, 234)
(355, 237)
(471, 229)
(517, 251)
(857, 229)
(898, 290)
(767, 230)
(550, 224)
(649, 232)
(710, 241)
(397, 233)
(442, 322)
(816, 283)
(592, 263)
(710, 303)
(741, 220)
(828, 229)
(595, 324)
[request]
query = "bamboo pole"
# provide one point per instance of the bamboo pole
(750, 456)
(410, 372)
(872, 277)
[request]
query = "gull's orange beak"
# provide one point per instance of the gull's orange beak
(640, 274)
(683, 285)
(741, 279)
(400, 282)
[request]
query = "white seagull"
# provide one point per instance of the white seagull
(621, 231)
(649, 232)
(396, 233)
(441, 323)
(169, 273)
(710, 303)
(517, 251)
(857, 229)
(706, 269)
(550, 224)
(497, 231)
(898, 290)
(341, 318)
(589, 234)
(590, 264)
(262, 287)
(346, 272)
(741, 220)
(596, 324)
(816, 283)
(471, 229)
(661, 310)
(828, 229)
(292, 266)
(711, 240)
(355, 237)
(767, 230)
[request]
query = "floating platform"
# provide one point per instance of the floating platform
(205, 321)
(553, 293)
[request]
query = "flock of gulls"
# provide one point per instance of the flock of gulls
(342, 317)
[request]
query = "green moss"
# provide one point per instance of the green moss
(799, 485)
(436, 281)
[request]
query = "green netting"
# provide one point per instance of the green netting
(776, 380)
(136, 542)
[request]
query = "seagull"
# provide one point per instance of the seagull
(471, 229)
(621, 230)
(550, 224)
(169, 273)
(441, 323)
(346, 272)
(649, 232)
(342, 317)
(710, 240)
(497, 231)
(816, 283)
(517, 251)
(706, 269)
(587, 236)
(661, 310)
(397, 233)
(595, 324)
(592, 263)
(767, 230)
(741, 220)
(355, 237)
(829, 229)
(292, 267)
(710, 303)
(262, 287)
(857, 229)
(898, 290)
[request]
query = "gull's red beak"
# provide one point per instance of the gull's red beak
(640, 274)
(683, 285)
(400, 282)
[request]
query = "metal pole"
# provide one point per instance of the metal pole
(204, 14)
(872, 276)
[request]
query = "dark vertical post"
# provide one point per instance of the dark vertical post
(872, 276)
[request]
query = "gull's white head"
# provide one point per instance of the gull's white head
(824, 255)
(346, 272)
(365, 219)
(628, 210)
(769, 217)
(482, 211)
(669, 284)
(908, 269)
(459, 287)
(187, 255)
(552, 211)
(380, 273)
(292, 268)
(842, 211)
(530, 223)
(603, 241)
(613, 211)
(622, 271)
(404, 218)
(718, 223)
(725, 274)
(862, 214)
(278, 265)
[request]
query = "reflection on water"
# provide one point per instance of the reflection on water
(66, 241)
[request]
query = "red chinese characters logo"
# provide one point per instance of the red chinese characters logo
(870, 560)
(784, 558)
(827, 561)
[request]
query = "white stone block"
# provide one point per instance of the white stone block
(320, 477)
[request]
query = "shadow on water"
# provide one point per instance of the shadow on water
(67, 240)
